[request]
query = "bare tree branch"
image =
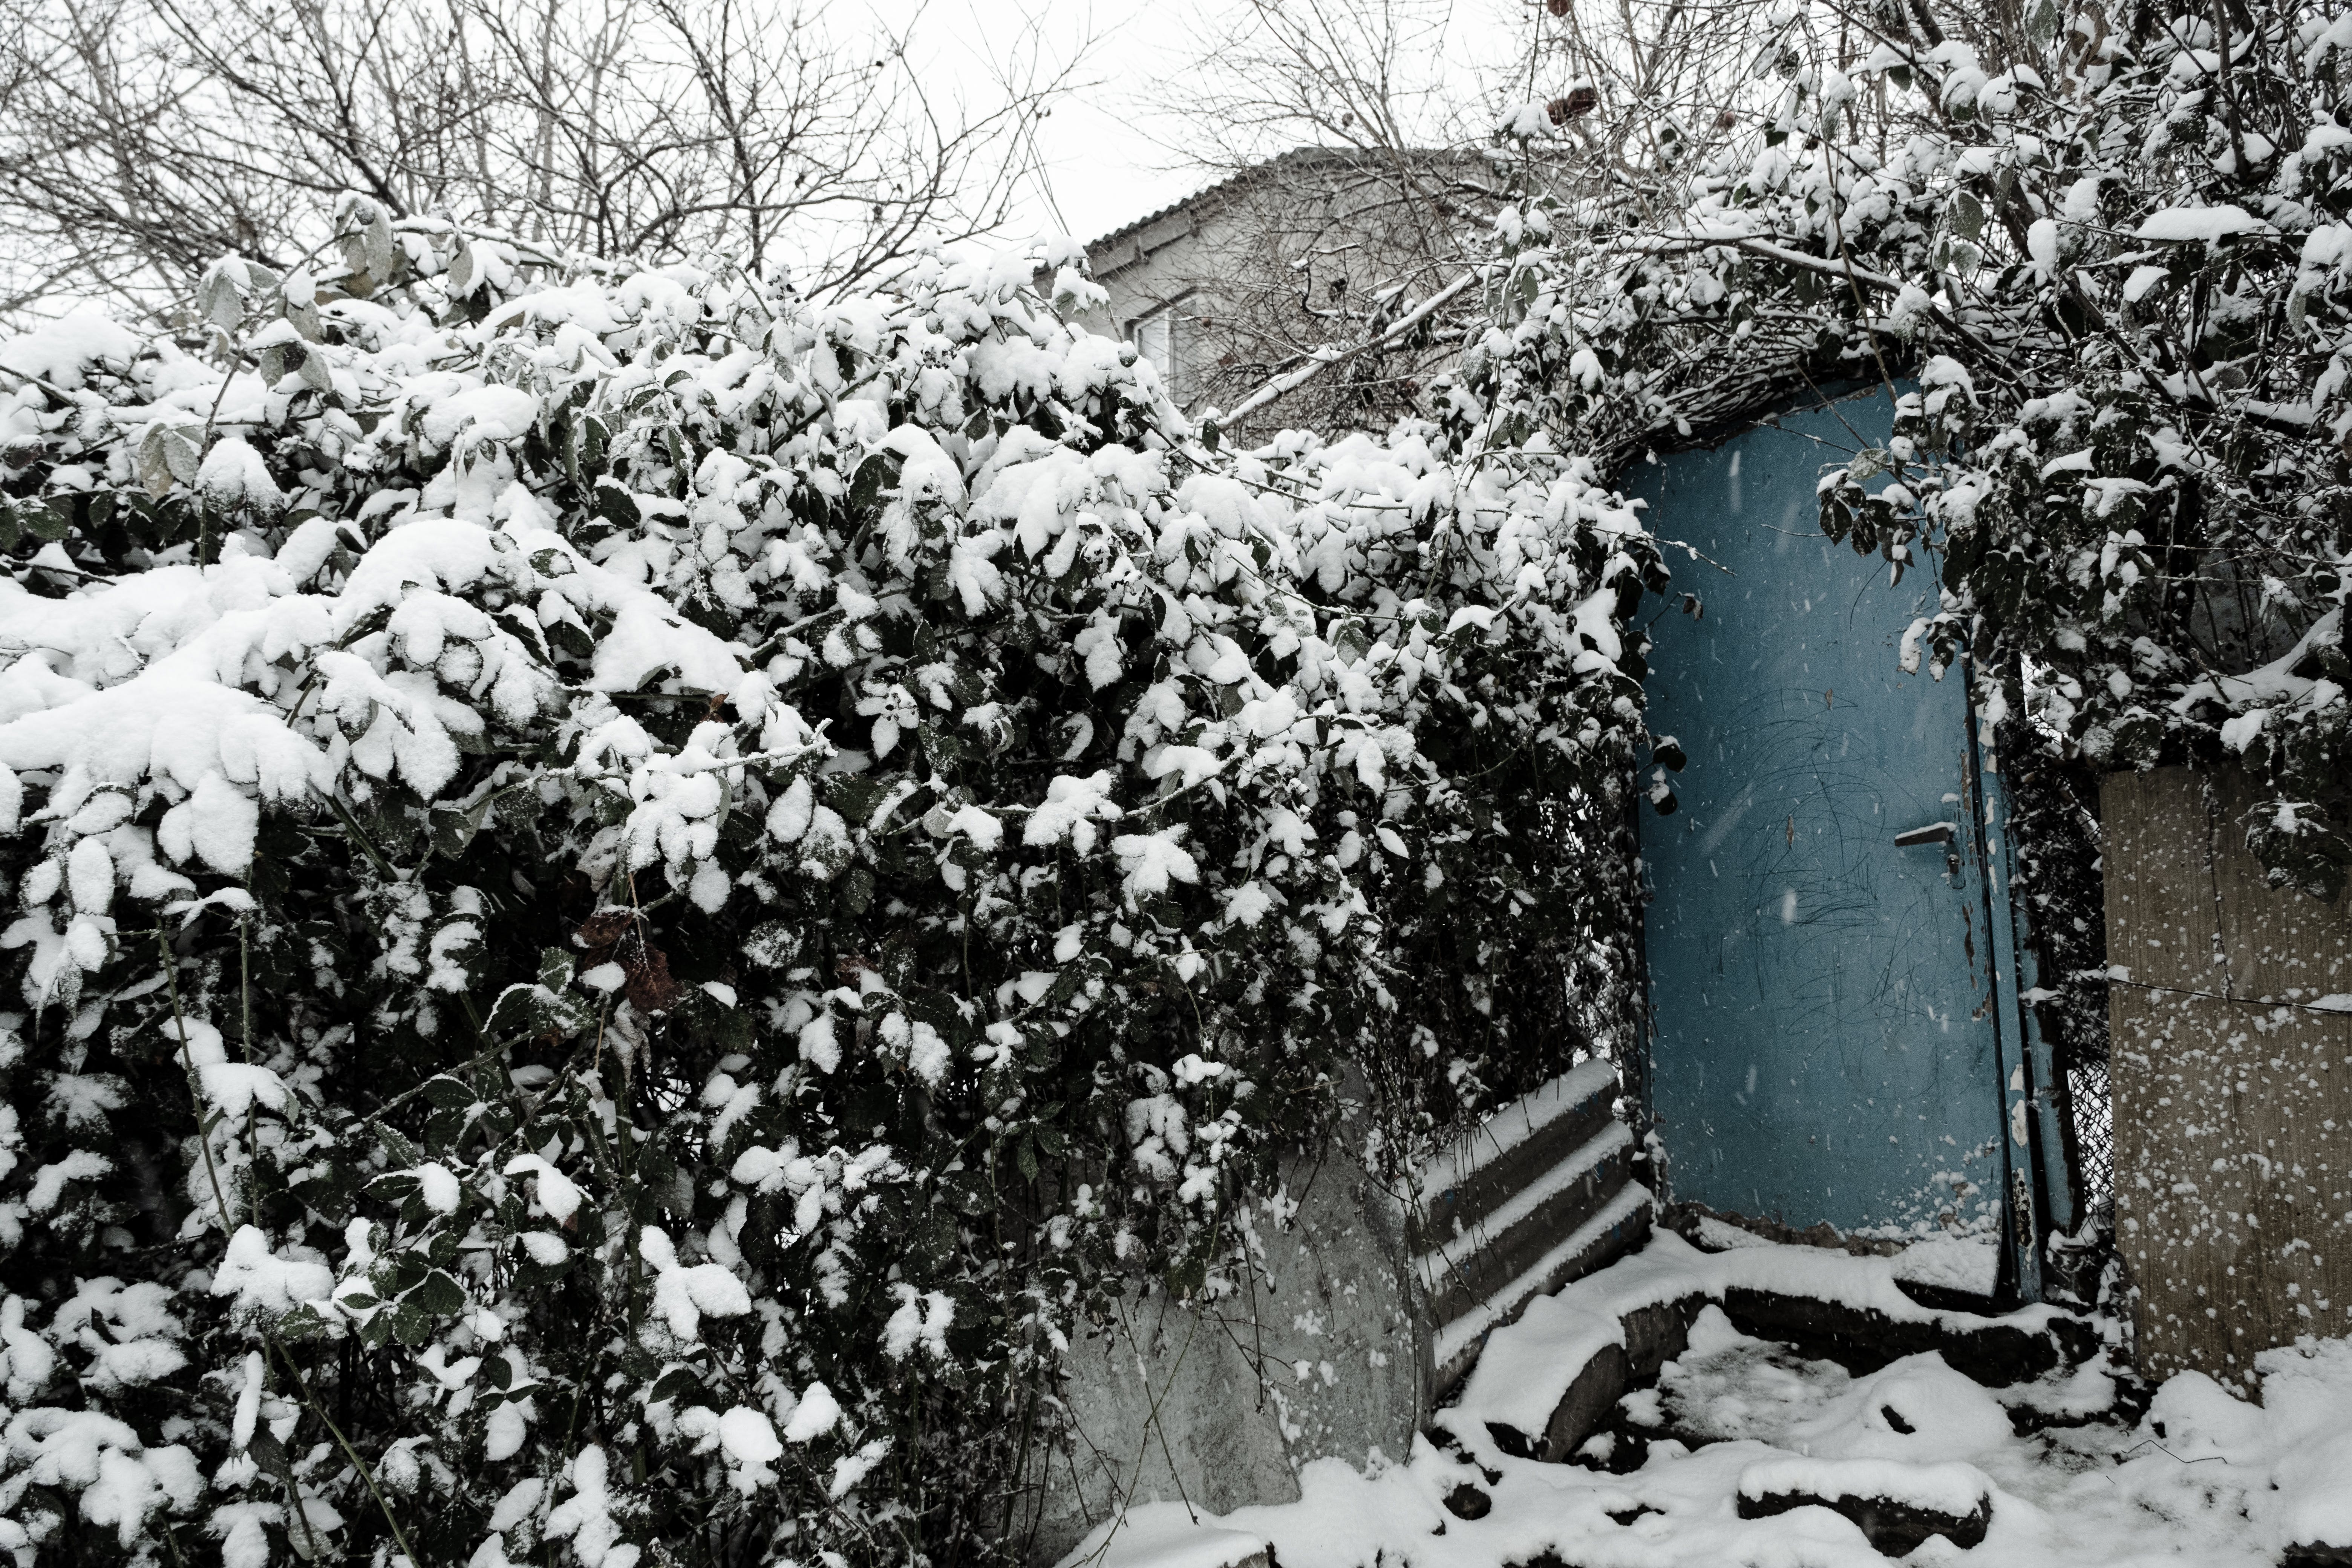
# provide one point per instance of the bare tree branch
(140, 139)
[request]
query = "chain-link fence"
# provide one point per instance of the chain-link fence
(2094, 1134)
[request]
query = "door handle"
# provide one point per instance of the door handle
(1944, 833)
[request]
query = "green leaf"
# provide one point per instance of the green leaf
(396, 1144)
(381, 258)
(678, 1385)
(454, 829)
(155, 470)
(1966, 215)
(437, 1294)
(217, 300)
(854, 796)
(774, 945)
(569, 1014)
(857, 891)
(169, 452)
(408, 1324)
(616, 506)
(266, 1451)
(517, 1011)
(877, 472)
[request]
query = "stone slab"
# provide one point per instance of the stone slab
(1893, 1528)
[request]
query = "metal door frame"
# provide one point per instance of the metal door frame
(2039, 1192)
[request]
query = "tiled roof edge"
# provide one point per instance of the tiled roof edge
(1242, 177)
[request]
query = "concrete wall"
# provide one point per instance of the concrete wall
(1157, 266)
(1324, 1355)
(2233, 1092)
(1244, 272)
(1367, 1306)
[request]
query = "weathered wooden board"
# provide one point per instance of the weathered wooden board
(2233, 1092)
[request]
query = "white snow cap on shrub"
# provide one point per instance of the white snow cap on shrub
(262, 1282)
(585, 827)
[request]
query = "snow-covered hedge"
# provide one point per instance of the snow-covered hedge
(631, 891)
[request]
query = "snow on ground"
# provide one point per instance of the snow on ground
(2201, 1478)
(1527, 1365)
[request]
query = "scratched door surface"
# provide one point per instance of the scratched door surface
(1825, 1029)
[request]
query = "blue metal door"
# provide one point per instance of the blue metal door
(1829, 989)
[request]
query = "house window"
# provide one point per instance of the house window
(1154, 337)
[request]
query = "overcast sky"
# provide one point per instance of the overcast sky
(1109, 157)
(1105, 168)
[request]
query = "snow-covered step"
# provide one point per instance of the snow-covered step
(1486, 1256)
(1540, 1195)
(1493, 1163)
(1545, 1381)
(1619, 1225)
(1899, 1504)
